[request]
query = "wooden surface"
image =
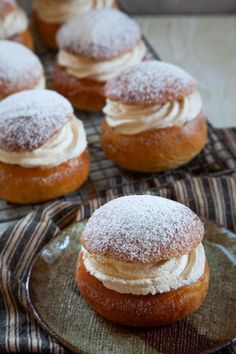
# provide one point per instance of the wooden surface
(206, 47)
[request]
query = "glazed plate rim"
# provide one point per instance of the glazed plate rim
(57, 336)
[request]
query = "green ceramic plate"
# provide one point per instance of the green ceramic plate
(58, 306)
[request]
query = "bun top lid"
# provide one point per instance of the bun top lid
(150, 82)
(30, 118)
(20, 68)
(142, 229)
(99, 34)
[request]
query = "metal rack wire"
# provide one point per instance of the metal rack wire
(216, 159)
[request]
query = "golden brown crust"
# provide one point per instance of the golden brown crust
(84, 94)
(24, 38)
(115, 5)
(157, 149)
(35, 185)
(141, 310)
(47, 31)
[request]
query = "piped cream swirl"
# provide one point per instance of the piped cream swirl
(67, 144)
(59, 11)
(102, 71)
(143, 279)
(13, 23)
(135, 119)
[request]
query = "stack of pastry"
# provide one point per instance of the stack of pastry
(154, 120)
(14, 23)
(94, 48)
(42, 147)
(49, 15)
(142, 262)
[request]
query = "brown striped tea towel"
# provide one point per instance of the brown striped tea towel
(210, 197)
(213, 198)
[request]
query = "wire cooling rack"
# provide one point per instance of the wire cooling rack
(216, 159)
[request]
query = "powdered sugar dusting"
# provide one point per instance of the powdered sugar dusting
(99, 34)
(19, 67)
(142, 228)
(6, 6)
(29, 118)
(150, 82)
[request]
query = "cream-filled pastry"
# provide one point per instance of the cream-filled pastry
(20, 69)
(153, 118)
(106, 42)
(51, 14)
(42, 147)
(14, 23)
(142, 262)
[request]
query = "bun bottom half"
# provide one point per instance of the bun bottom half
(84, 94)
(35, 185)
(155, 150)
(46, 31)
(24, 38)
(141, 310)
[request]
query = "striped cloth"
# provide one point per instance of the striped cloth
(210, 197)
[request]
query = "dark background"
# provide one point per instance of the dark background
(170, 6)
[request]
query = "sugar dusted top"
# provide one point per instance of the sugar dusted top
(142, 229)
(6, 6)
(20, 68)
(150, 82)
(99, 34)
(28, 119)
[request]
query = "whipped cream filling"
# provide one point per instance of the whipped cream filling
(67, 144)
(15, 22)
(41, 84)
(59, 11)
(144, 279)
(134, 119)
(104, 70)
